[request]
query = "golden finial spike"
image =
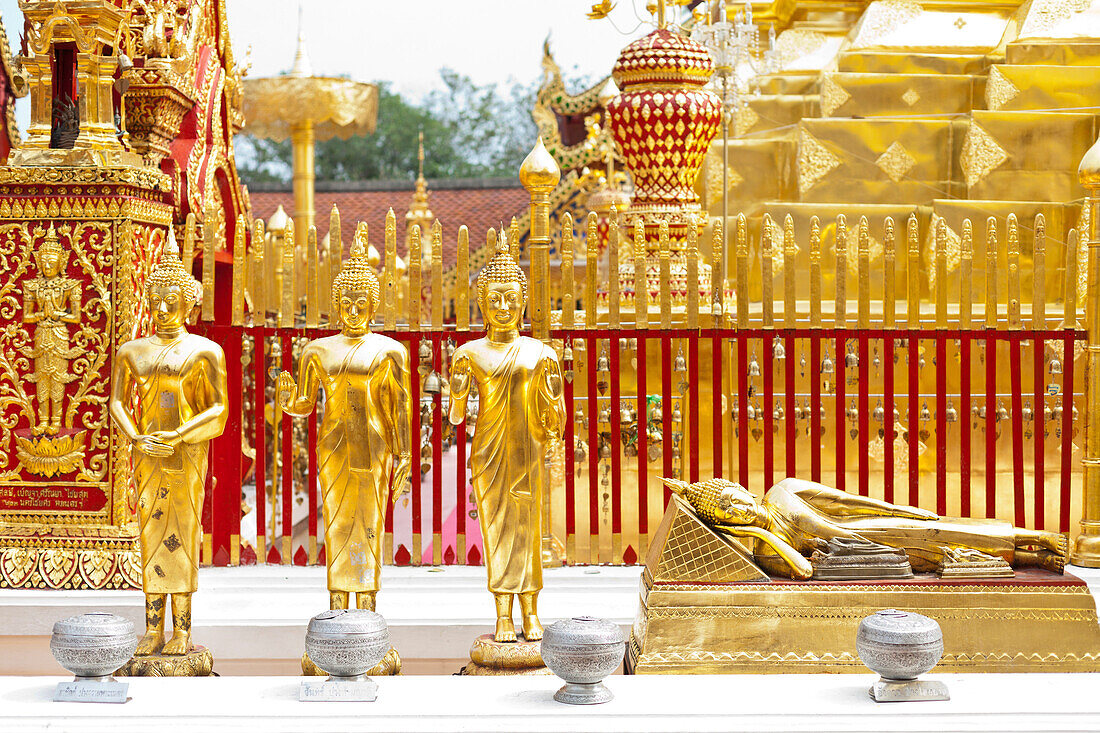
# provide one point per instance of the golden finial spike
(717, 277)
(1039, 276)
(992, 245)
(209, 245)
(614, 294)
(239, 266)
(313, 298)
(815, 272)
(259, 274)
(742, 288)
(335, 243)
(966, 257)
(789, 253)
(889, 274)
(389, 286)
(666, 275)
(513, 238)
(286, 305)
(420, 154)
(940, 246)
(767, 265)
(912, 271)
(692, 274)
(568, 292)
(766, 248)
(1069, 285)
(591, 269)
(189, 227)
(491, 240)
(462, 280)
(1013, 257)
(361, 241)
(412, 303)
(437, 275)
(840, 301)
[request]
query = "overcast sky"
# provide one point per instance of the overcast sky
(406, 43)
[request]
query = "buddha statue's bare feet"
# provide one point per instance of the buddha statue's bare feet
(179, 644)
(506, 630)
(1051, 561)
(150, 644)
(532, 629)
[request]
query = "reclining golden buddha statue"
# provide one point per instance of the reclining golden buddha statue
(795, 518)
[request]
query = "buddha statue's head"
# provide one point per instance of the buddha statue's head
(171, 290)
(737, 506)
(502, 290)
(50, 257)
(355, 291)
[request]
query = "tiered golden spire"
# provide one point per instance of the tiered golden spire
(419, 212)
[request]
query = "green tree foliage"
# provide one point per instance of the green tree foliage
(470, 131)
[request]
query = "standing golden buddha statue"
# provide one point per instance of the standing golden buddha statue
(364, 436)
(169, 396)
(521, 409)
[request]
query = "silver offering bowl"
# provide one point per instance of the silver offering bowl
(93, 645)
(583, 651)
(347, 643)
(901, 646)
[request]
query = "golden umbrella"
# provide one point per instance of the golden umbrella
(307, 108)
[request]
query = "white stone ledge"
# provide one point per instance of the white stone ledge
(1005, 703)
(261, 612)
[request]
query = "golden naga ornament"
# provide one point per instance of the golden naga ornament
(521, 410)
(169, 397)
(365, 430)
(797, 517)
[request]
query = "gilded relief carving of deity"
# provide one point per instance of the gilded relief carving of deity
(52, 303)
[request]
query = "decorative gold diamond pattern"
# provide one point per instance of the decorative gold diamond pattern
(981, 154)
(896, 162)
(910, 97)
(999, 90)
(744, 120)
(815, 161)
(833, 96)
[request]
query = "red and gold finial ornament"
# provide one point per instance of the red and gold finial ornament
(663, 121)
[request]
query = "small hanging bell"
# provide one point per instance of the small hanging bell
(425, 352)
(1056, 413)
(981, 412)
(735, 411)
(876, 361)
(754, 367)
(677, 415)
(450, 349)
(852, 413)
(777, 413)
(802, 365)
(1027, 412)
(433, 385)
(827, 366)
(680, 365)
(567, 353)
(605, 416)
(1055, 365)
(751, 411)
(797, 411)
(880, 412)
(602, 364)
(1002, 413)
(655, 413)
(778, 350)
(952, 414)
(924, 413)
(851, 360)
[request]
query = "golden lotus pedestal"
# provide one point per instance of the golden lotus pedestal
(707, 609)
(199, 662)
(495, 658)
(389, 666)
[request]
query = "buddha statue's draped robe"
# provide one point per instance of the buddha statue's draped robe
(175, 390)
(365, 381)
(506, 459)
(801, 510)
